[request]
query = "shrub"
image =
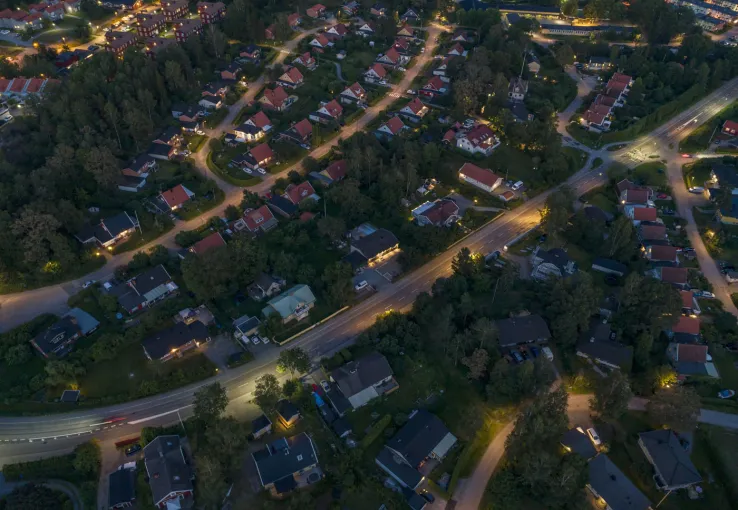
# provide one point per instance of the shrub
(376, 431)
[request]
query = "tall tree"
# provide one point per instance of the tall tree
(676, 407)
(210, 403)
(611, 396)
(267, 393)
(293, 360)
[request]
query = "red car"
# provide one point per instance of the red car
(662, 196)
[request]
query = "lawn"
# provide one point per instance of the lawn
(651, 174)
(721, 445)
(196, 142)
(697, 173)
(137, 240)
(601, 198)
(699, 139)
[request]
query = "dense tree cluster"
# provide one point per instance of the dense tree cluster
(35, 497)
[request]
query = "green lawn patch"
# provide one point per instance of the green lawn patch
(137, 240)
(230, 175)
(651, 174)
(699, 139)
(196, 142)
(697, 173)
(88, 263)
(597, 162)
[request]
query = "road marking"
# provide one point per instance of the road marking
(149, 418)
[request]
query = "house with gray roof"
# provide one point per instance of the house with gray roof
(364, 379)
(598, 344)
(58, 339)
(577, 441)
(122, 488)
(292, 304)
(109, 231)
(288, 463)
(86, 323)
(609, 266)
(170, 477)
(608, 483)
(376, 245)
(548, 263)
(522, 330)
(175, 341)
(673, 469)
(145, 289)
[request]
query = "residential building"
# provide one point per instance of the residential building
(261, 156)
(170, 477)
(86, 323)
(463, 36)
(211, 12)
(551, 263)
(287, 413)
(361, 381)
(292, 304)
(691, 360)
(337, 31)
(334, 172)
(296, 193)
(366, 29)
(410, 15)
(521, 330)
(598, 344)
(109, 231)
(252, 53)
(518, 89)
(659, 253)
(122, 488)
(118, 42)
(609, 266)
(306, 60)
(391, 128)
(300, 132)
(423, 438)
(130, 183)
(294, 20)
(185, 112)
(292, 78)
(640, 214)
(22, 87)
(175, 341)
(257, 220)
(690, 306)
(376, 246)
(264, 286)
(185, 28)
(161, 151)
(276, 99)
(406, 31)
(176, 197)
(393, 58)
(652, 234)
(435, 87)
(210, 242)
(730, 128)
(376, 73)
(673, 469)
(316, 11)
(174, 9)
(254, 128)
(482, 178)
(148, 25)
(282, 206)
(321, 41)
(270, 32)
(443, 212)
(287, 464)
(353, 94)
(479, 140)
(402, 45)
(144, 290)
(598, 64)
(57, 339)
(457, 50)
(350, 8)
(612, 488)
(260, 426)
(575, 440)
(686, 329)
(414, 110)
(378, 10)
(327, 113)
(676, 276)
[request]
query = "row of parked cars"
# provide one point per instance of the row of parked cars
(525, 353)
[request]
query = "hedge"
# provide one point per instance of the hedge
(376, 431)
(53, 467)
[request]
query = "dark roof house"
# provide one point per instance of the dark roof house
(375, 244)
(576, 440)
(669, 458)
(522, 330)
(58, 338)
(282, 461)
(597, 343)
(170, 477)
(364, 379)
(169, 342)
(122, 488)
(606, 481)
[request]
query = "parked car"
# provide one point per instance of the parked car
(261, 171)
(704, 294)
(469, 123)
(324, 385)
(361, 285)
(662, 196)
(516, 356)
(133, 449)
(548, 353)
(592, 433)
(411, 92)
(726, 394)
(255, 340)
(534, 351)
(696, 189)
(525, 354)
(89, 283)
(93, 48)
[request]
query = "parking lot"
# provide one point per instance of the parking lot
(381, 274)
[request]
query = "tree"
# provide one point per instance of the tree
(476, 363)
(465, 264)
(337, 280)
(331, 227)
(293, 360)
(17, 354)
(611, 396)
(290, 388)
(267, 393)
(87, 458)
(35, 497)
(676, 407)
(210, 403)
(103, 166)
(232, 213)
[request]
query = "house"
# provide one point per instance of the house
(363, 380)
(144, 290)
(270, 32)
(402, 45)
(609, 266)
(300, 132)
(292, 304)
(525, 329)
(690, 306)
(287, 464)
(148, 25)
(211, 12)
(334, 172)
(176, 197)
(337, 31)
(212, 241)
(161, 151)
(730, 128)
(296, 193)
(215, 89)
(457, 50)
(118, 42)
(316, 11)
(410, 15)
(294, 20)
(185, 113)
(282, 206)
(254, 128)
(518, 89)
(423, 438)
(378, 10)
(141, 166)
(252, 53)
(392, 58)
(575, 440)
(353, 94)
(597, 118)
(482, 178)
(264, 286)
(391, 128)
(86, 323)
(598, 64)
(686, 329)
(376, 73)
(375, 246)
(122, 488)
(260, 426)
(184, 28)
(479, 140)
(257, 220)
(612, 488)
(306, 60)
(174, 9)
(598, 345)
(639, 214)
(367, 29)
(262, 155)
(414, 110)
(350, 8)
(231, 71)
(434, 87)
(321, 41)
(672, 466)
(551, 263)
(328, 112)
(57, 339)
(637, 197)
(406, 31)
(275, 99)
(652, 234)
(170, 136)
(674, 275)
(175, 341)
(287, 413)
(292, 78)
(691, 360)
(211, 102)
(109, 231)
(444, 212)
(659, 253)
(462, 35)
(170, 477)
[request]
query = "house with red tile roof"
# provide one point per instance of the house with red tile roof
(176, 197)
(393, 58)
(686, 325)
(316, 11)
(391, 128)
(294, 20)
(321, 41)
(174, 9)
(435, 87)
(478, 140)
(651, 232)
(367, 29)
(300, 133)
(21, 87)
(677, 276)
(659, 253)
(306, 60)
(730, 128)
(296, 193)
(482, 178)
(414, 110)
(270, 32)
(457, 50)
(402, 45)
(337, 31)
(376, 73)
(275, 99)
(292, 78)
(263, 154)
(690, 306)
(258, 220)
(441, 213)
(118, 42)
(406, 31)
(185, 28)
(327, 113)
(353, 94)
(148, 25)
(214, 240)
(691, 360)
(336, 170)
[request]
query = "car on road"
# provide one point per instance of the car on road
(469, 123)
(133, 449)
(324, 385)
(726, 394)
(592, 433)
(261, 171)
(361, 285)
(89, 283)
(686, 155)
(697, 190)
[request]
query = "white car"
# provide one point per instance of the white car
(696, 189)
(548, 353)
(248, 171)
(592, 433)
(255, 339)
(261, 171)
(265, 340)
(88, 283)
(4, 32)
(361, 285)
(324, 385)
(411, 92)
(707, 295)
